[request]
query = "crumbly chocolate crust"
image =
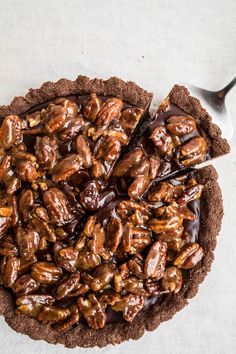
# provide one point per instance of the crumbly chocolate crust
(126, 91)
(210, 222)
(180, 96)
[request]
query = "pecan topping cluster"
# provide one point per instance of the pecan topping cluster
(171, 142)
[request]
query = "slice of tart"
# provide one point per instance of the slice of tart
(181, 135)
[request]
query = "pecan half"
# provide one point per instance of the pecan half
(181, 125)
(31, 305)
(190, 194)
(92, 311)
(57, 205)
(100, 278)
(92, 107)
(110, 109)
(114, 233)
(28, 242)
(11, 271)
(130, 305)
(46, 151)
(154, 265)
(130, 118)
(172, 280)
(162, 140)
(10, 132)
(132, 159)
(53, 314)
(74, 127)
(25, 203)
(83, 149)
(46, 273)
(68, 286)
(25, 285)
(66, 168)
(193, 151)
(189, 256)
(69, 322)
(138, 186)
(88, 260)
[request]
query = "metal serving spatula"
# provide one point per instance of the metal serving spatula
(214, 103)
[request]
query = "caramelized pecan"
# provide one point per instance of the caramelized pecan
(189, 256)
(10, 132)
(28, 242)
(66, 168)
(162, 140)
(68, 286)
(25, 285)
(11, 271)
(172, 280)
(110, 109)
(114, 233)
(25, 203)
(88, 260)
(155, 261)
(138, 186)
(130, 305)
(53, 314)
(57, 205)
(100, 278)
(46, 273)
(31, 305)
(169, 219)
(132, 159)
(181, 125)
(74, 127)
(193, 151)
(46, 151)
(130, 118)
(69, 322)
(26, 171)
(190, 194)
(92, 311)
(92, 107)
(83, 149)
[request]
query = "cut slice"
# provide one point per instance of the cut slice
(181, 135)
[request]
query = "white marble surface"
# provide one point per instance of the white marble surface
(155, 43)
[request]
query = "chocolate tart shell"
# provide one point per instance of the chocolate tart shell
(180, 96)
(128, 92)
(82, 336)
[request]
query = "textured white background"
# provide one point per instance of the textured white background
(155, 43)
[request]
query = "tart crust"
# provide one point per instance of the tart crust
(180, 96)
(150, 319)
(128, 92)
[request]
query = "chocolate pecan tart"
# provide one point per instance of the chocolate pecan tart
(94, 250)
